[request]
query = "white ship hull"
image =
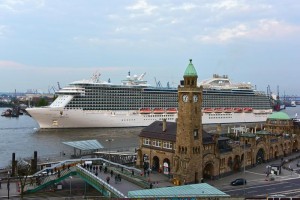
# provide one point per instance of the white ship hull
(48, 117)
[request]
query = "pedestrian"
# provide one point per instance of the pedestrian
(151, 185)
(132, 172)
(107, 179)
(122, 169)
(100, 168)
(105, 169)
(119, 177)
(148, 172)
(111, 173)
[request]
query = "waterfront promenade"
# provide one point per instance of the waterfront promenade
(254, 176)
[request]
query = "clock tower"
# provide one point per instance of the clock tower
(188, 154)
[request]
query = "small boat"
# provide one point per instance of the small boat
(158, 110)
(293, 104)
(208, 110)
(218, 110)
(228, 110)
(237, 110)
(247, 109)
(7, 113)
(145, 111)
(171, 110)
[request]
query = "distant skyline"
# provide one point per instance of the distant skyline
(43, 42)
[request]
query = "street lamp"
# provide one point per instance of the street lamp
(245, 157)
(70, 185)
(109, 146)
(8, 184)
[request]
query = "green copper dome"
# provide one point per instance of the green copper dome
(279, 115)
(190, 70)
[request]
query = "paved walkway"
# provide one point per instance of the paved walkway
(253, 176)
(258, 173)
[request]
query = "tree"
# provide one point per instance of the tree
(23, 170)
(42, 102)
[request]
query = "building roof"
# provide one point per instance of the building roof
(263, 132)
(155, 131)
(190, 70)
(279, 115)
(207, 138)
(193, 190)
(85, 144)
(248, 135)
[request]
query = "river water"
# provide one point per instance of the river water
(22, 136)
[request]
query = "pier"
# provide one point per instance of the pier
(90, 172)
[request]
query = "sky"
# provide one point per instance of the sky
(43, 42)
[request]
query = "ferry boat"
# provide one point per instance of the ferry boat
(96, 103)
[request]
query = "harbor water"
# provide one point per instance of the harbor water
(21, 135)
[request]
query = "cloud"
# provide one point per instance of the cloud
(3, 30)
(263, 29)
(274, 28)
(12, 65)
(142, 7)
(6, 64)
(99, 41)
(228, 5)
(17, 6)
(185, 7)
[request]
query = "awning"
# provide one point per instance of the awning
(85, 145)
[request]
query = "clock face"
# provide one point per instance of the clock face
(185, 98)
(195, 97)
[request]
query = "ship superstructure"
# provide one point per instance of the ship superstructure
(96, 103)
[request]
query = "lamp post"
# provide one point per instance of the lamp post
(245, 157)
(8, 184)
(70, 185)
(109, 146)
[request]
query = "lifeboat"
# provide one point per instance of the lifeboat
(208, 110)
(218, 110)
(158, 110)
(145, 110)
(228, 110)
(237, 110)
(171, 110)
(248, 109)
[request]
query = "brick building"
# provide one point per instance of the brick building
(187, 153)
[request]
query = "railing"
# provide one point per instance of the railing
(98, 183)
(73, 162)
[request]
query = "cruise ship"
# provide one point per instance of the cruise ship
(95, 103)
